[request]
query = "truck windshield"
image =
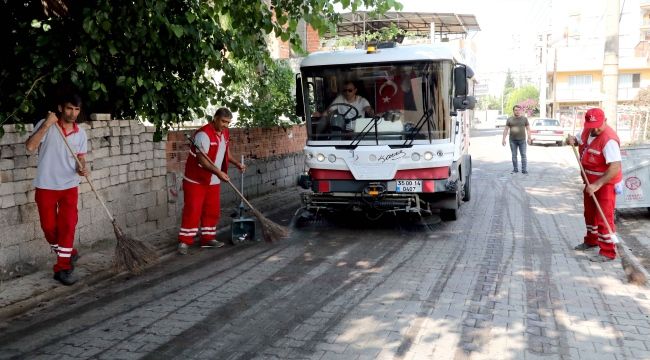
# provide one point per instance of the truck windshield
(357, 104)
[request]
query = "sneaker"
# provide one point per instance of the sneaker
(514, 171)
(600, 258)
(182, 248)
(65, 277)
(73, 260)
(212, 243)
(524, 172)
(584, 246)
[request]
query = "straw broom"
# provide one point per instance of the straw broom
(130, 254)
(635, 273)
(270, 230)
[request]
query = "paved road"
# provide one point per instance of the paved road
(502, 282)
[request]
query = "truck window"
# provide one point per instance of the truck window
(407, 100)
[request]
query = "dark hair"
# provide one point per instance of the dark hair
(223, 113)
(351, 83)
(516, 107)
(71, 98)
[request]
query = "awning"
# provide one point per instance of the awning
(360, 22)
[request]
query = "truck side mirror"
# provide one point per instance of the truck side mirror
(462, 99)
(300, 100)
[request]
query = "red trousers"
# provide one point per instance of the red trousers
(202, 205)
(57, 210)
(597, 233)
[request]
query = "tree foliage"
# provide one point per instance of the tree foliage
(489, 102)
(262, 98)
(527, 97)
(509, 84)
(146, 59)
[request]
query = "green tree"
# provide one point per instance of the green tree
(509, 84)
(262, 98)
(520, 95)
(489, 102)
(144, 59)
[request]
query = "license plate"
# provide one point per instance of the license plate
(547, 132)
(409, 186)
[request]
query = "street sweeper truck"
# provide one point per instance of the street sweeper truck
(388, 130)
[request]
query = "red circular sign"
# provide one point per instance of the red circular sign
(632, 183)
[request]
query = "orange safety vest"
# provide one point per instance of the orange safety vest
(193, 169)
(593, 158)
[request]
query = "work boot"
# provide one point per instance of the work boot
(212, 243)
(514, 171)
(182, 248)
(65, 277)
(524, 172)
(584, 247)
(600, 258)
(73, 259)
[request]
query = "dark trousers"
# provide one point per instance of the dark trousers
(521, 145)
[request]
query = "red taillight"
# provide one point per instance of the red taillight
(323, 186)
(428, 186)
(534, 131)
(558, 132)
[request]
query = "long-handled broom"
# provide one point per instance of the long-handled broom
(130, 254)
(270, 230)
(635, 272)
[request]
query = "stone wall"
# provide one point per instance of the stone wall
(139, 180)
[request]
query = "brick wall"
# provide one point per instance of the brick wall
(140, 181)
(273, 156)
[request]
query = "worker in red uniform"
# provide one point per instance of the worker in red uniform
(201, 182)
(600, 155)
(57, 181)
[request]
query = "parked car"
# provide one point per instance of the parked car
(547, 131)
(500, 121)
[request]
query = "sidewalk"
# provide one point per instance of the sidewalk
(21, 294)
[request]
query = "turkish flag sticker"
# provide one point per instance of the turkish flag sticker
(389, 95)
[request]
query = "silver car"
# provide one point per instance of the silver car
(547, 131)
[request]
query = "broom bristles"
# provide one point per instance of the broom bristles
(271, 231)
(131, 254)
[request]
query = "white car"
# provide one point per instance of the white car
(500, 121)
(547, 131)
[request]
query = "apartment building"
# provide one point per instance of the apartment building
(574, 64)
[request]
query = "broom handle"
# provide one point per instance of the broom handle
(593, 196)
(212, 162)
(86, 176)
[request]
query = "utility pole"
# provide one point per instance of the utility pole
(610, 61)
(542, 86)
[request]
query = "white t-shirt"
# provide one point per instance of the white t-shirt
(203, 140)
(57, 169)
(359, 103)
(611, 151)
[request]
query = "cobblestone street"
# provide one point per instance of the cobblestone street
(501, 282)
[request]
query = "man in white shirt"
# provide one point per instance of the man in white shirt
(57, 181)
(358, 106)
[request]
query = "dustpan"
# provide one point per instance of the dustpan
(242, 228)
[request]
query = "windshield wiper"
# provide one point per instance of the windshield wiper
(366, 129)
(425, 119)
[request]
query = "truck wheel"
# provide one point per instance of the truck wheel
(467, 188)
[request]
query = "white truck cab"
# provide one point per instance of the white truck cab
(403, 149)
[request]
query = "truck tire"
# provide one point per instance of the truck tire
(467, 188)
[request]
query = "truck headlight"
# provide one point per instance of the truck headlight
(320, 157)
(310, 156)
(428, 155)
(415, 156)
(372, 157)
(331, 158)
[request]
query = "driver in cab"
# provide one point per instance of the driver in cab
(349, 105)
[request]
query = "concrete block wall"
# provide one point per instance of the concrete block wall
(127, 169)
(140, 181)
